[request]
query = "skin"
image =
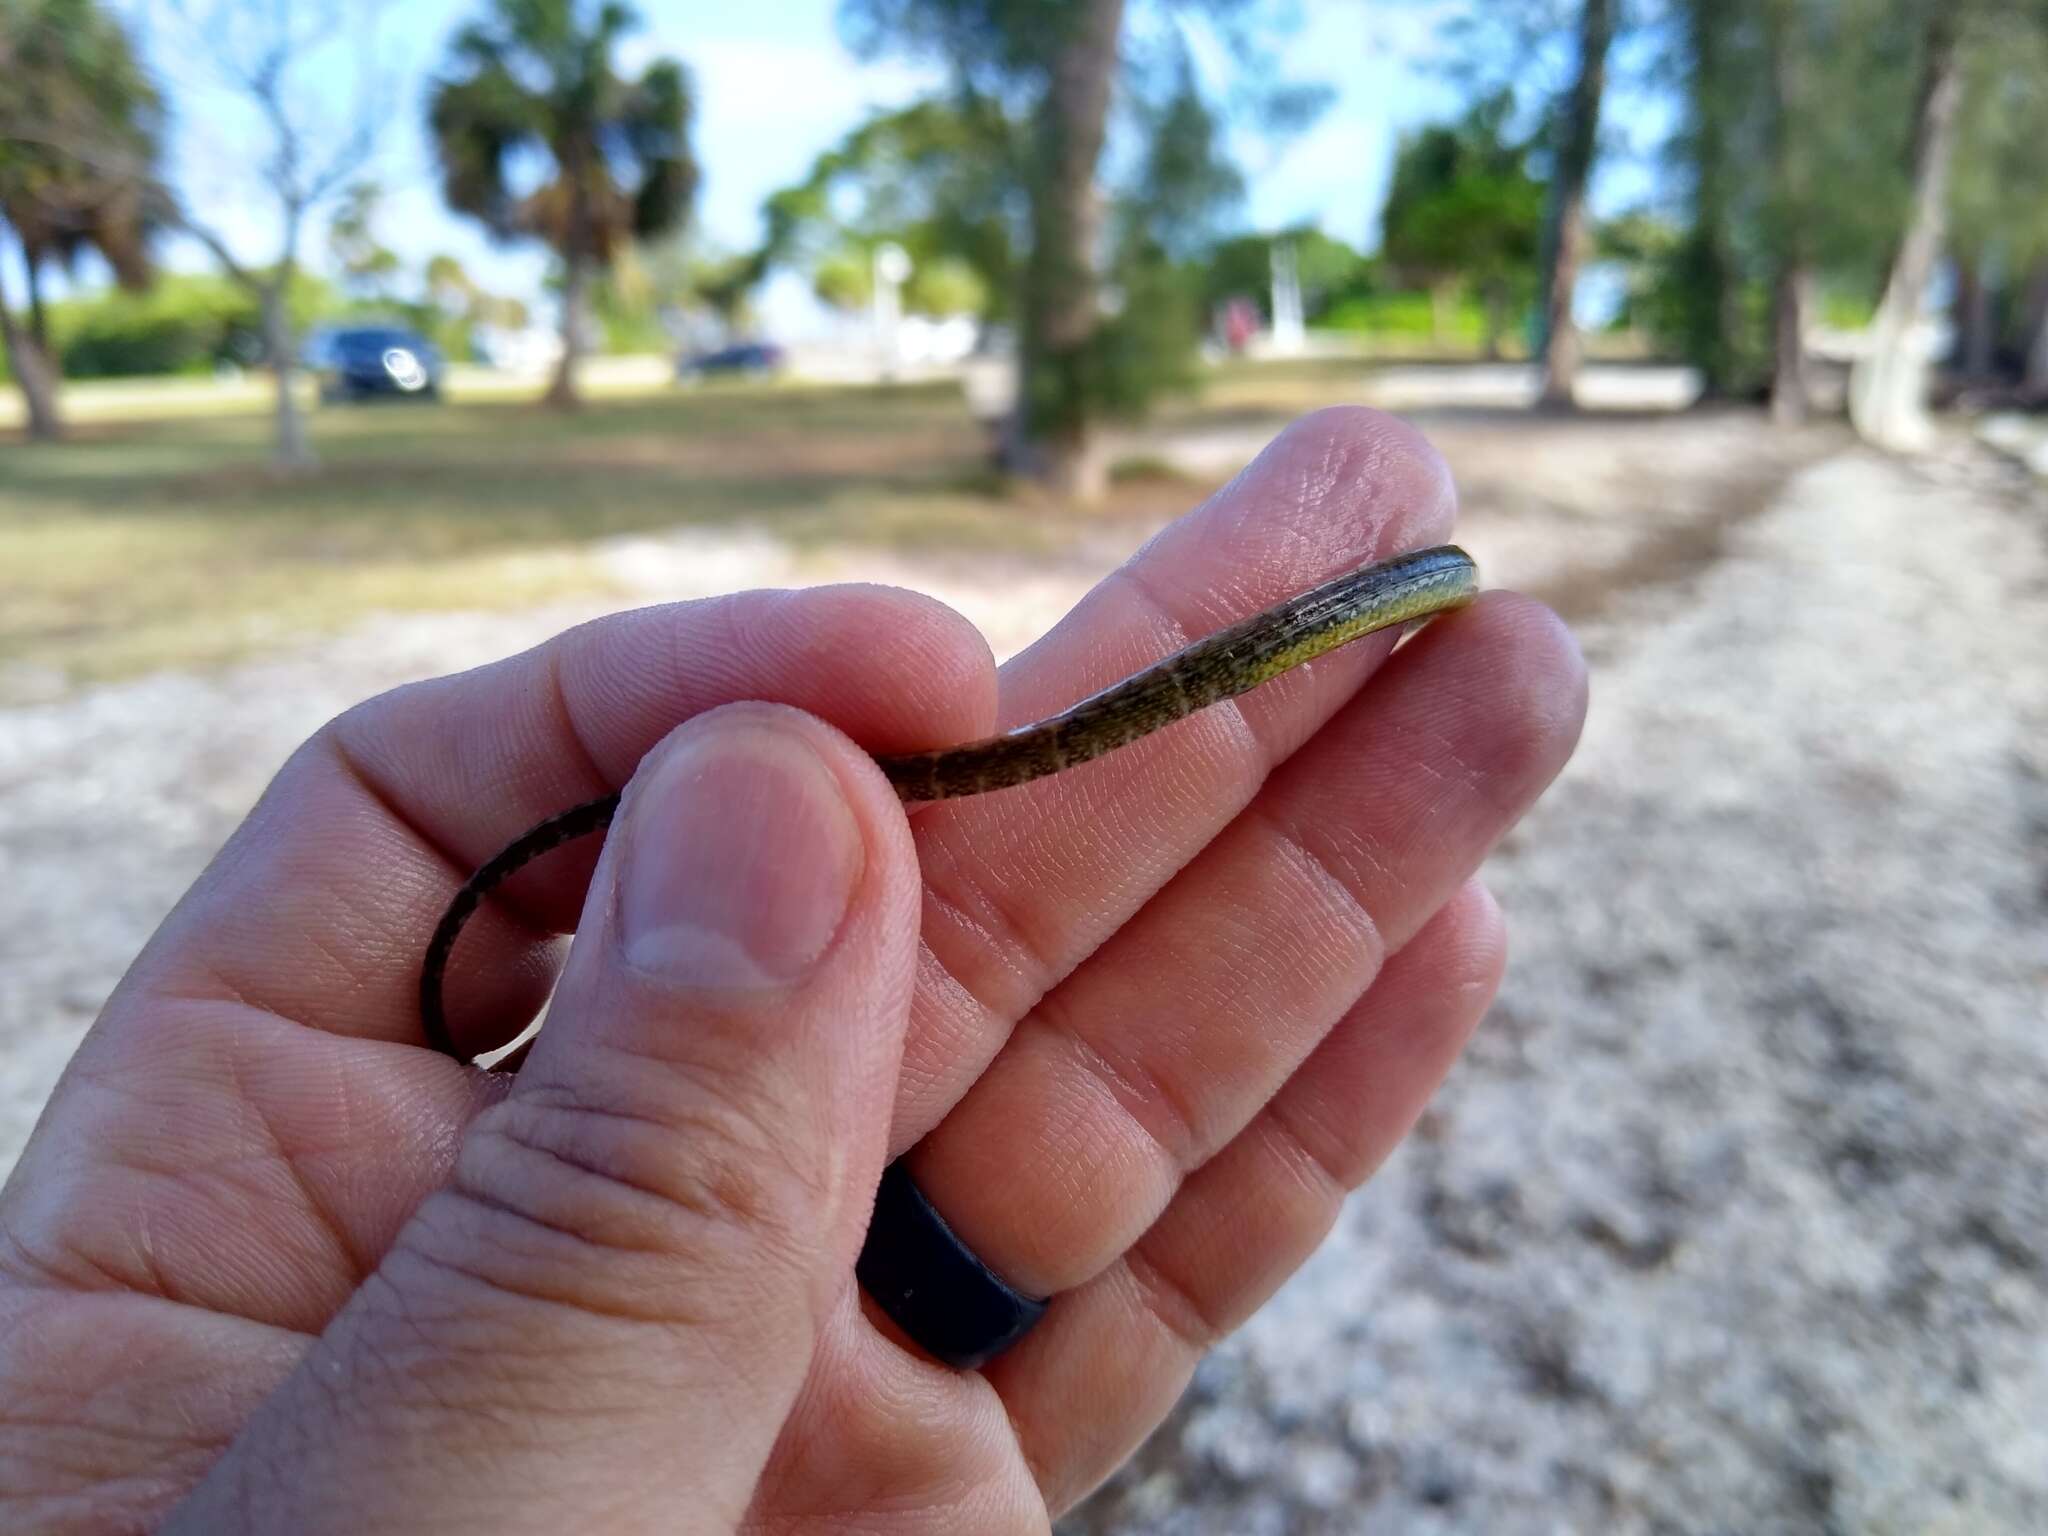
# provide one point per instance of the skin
(1220, 666)
(270, 1263)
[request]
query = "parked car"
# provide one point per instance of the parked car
(358, 362)
(747, 360)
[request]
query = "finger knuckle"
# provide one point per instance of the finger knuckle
(688, 1177)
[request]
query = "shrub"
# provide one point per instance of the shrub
(181, 324)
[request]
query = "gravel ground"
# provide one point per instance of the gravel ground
(1736, 1216)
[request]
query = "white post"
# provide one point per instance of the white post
(892, 268)
(1288, 331)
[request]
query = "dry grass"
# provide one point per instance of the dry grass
(163, 539)
(165, 542)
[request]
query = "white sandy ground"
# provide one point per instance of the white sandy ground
(1736, 1216)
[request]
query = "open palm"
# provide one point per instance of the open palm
(269, 1263)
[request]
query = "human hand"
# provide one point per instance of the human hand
(270, 1264)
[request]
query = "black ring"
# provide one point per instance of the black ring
(953, 1306)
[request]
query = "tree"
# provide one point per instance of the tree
(1463, 211)
(1888, 382)
(307, 77)
(80, 134)
(1061, 310)
(1051, 73)
(367, 266)
(1576, 136)
(1162, 224)
(1241, 266)
(1790, 164)
(458, 306)
(1998, 196)
(536, 78)
(1719, 97)
(1787, 51)
(938, 178)
(1051, 68)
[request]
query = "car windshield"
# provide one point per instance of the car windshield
(374, 341)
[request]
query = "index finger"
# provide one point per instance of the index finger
(1021, 887)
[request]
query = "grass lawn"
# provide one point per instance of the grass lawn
(139, 544)
(166, 540)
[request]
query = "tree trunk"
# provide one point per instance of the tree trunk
(38, 319)
(1440, 293)
(1494, 305)
(1061, 313)
(1791, 276)
(1888, 384)
(33, 375)
(1791, 297)
(291, 454)
(1564, 230)
(1975, 334)
(561, 393)
(2034, 379)
(1712, 316)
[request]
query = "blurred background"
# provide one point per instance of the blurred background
(348, 343)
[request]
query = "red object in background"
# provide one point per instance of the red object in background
(1240, 324)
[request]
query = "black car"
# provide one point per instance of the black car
(356, 362)
(748, 359)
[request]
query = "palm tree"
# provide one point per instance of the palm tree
(80, 128)
(535, 78)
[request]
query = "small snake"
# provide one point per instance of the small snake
(1222, 666)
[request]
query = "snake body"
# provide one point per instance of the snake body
(1220, 666)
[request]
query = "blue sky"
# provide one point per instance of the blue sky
(775, 86)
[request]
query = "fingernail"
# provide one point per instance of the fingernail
(742, 858)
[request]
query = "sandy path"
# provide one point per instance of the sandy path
(112, 801)
(1737, 1216)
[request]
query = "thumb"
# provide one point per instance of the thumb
(613, 1305)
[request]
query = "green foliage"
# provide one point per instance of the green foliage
(652, 293)
(1845, 309)
(368, 266)
(1147, 345)
(1854, 128)
(182, 324)
(990, 44)
(1410, 317)
(1185, 181)
(946, 285)
(845, 280)
(622, 302)
(454, 306)
(1650, 250)
(631, 331)
(1165, 220)
(1793, 151)
(537, 78)
(1330, 272)
(80, 134)
(1032, 71)
(937, 178)
(1998, 189)
(1147, 348)
(1463, 210)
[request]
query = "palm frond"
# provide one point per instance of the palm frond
(533, 83)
